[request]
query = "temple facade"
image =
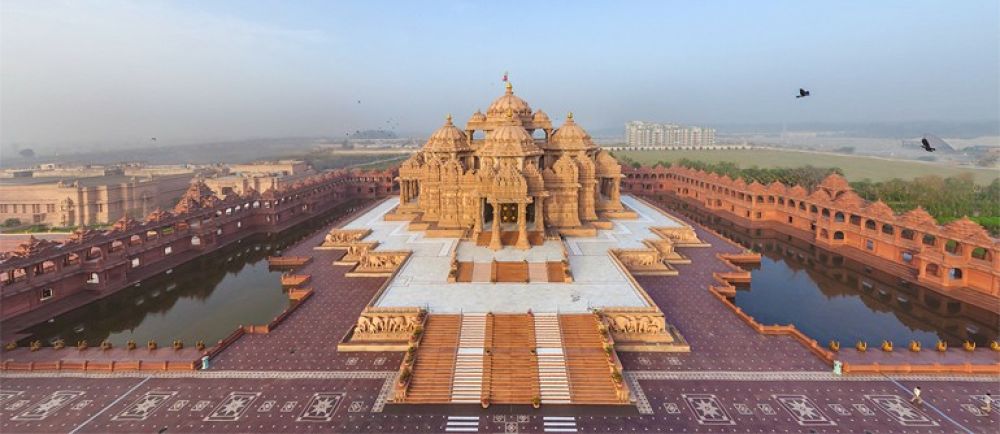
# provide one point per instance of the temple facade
(508, 177)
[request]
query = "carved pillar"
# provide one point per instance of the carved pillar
(539, 214)
(522, 227)
(478, 226)
(495, 235)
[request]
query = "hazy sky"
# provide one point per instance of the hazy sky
(78, 73)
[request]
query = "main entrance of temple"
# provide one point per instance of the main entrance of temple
(508, 213)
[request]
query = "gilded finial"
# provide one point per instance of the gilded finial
(569, 116)
(448, 119)
(510, 88)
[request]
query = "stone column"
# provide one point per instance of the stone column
(477, 227)
(495, 235)
(522, 227)
(539, 215)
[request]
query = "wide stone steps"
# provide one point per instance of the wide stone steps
(467, 380)
(514, 377)
(553, 380)
(435, 362)
(586, 363)
(512, 359)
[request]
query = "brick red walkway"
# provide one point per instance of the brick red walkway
(253, 387)
(307, 339)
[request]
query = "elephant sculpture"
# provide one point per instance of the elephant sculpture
(364, 325)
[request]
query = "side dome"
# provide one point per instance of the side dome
(448, 138)
(478, 116)
(571, 137)
(539, 117)
(509, 102)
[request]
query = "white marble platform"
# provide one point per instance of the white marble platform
(598, 282)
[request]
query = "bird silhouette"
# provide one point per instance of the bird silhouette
(154, 139)
(924, 143)
(802, 93)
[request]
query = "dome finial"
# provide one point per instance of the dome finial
(510, 88)
(569, 116)
(448, 119)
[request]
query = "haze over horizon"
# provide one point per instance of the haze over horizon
(116, 73)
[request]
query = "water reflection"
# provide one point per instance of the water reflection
(830, 297)
(204, 299)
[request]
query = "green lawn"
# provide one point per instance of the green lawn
(856, 168)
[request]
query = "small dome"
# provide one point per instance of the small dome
(571, 136)
(540, 116)
(509, 101)
(448, 138)
(478, 116)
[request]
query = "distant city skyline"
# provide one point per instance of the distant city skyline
(79, 75)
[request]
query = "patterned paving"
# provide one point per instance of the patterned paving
(293, 380)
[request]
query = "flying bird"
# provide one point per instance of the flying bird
(924, 143)
(802, 93)
(359, 101)
(153, 139)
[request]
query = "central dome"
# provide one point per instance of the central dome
(509, 141)
(510, 102)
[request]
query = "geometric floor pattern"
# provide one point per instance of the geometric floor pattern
(294, 380)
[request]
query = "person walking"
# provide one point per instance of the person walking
(987, 407)
(916, 396)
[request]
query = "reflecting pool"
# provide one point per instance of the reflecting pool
(205, 299)
(830, 297)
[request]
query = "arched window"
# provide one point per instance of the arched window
(929, 240)
(953, 247)
(932, 269)
(907, 234)
(813, 209)
(981, 253)
(955, 273)
(838, 235)
(838, 217)
(887, 229)
(870, 224)
(826, 213)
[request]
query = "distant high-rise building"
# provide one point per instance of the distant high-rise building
(641, 134)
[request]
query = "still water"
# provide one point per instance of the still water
(205, 299)
(829, 297)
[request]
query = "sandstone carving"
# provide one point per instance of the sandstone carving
(343, 238)
(387, 324)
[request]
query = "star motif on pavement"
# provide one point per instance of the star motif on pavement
(234, 406)
(803, 410)
(49, 405)
(322, 406)
(145, 406)
(708, 409)
(901, 410)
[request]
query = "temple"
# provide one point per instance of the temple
(509, 177)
